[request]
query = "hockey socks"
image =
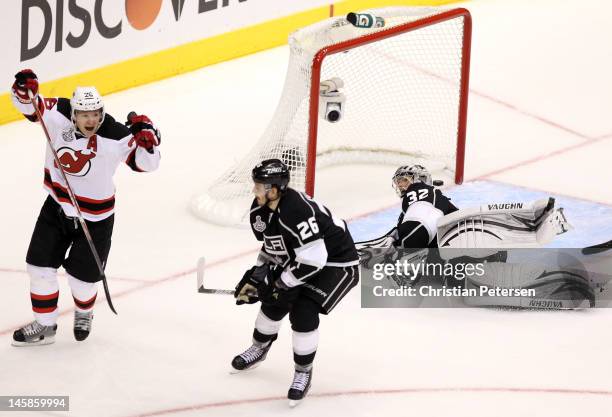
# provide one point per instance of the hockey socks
(44, 294)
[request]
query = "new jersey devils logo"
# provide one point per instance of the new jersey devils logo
(74, 162)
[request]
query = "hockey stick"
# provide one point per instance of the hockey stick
(74, 202)
(201, 288)
(602, 247)
(200, 275)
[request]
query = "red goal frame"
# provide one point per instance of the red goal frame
(352, 43)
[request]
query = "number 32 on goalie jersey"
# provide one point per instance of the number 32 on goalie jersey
(417, 195)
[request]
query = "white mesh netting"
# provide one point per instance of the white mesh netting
(402, 105)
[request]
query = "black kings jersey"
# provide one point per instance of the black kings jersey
(303, 235)
(422, 206)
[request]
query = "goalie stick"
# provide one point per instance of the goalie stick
(602, 247)
(73, 199)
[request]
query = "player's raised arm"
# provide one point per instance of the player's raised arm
(141, 149)
(25, 82)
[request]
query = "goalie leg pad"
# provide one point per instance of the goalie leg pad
(553, 287)
(505, 225)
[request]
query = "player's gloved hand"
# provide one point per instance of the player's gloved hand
(254, 283)
(368, 257)
(364, 256)
(25, 80)
(145, 133)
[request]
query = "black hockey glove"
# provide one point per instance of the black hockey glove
(254, 284)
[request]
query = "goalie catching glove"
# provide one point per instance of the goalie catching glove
(145, 133)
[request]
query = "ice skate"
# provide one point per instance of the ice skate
(34, 334)
(250, 358)
(300, 385)
(82, 324)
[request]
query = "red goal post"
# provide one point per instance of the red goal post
(376, 36)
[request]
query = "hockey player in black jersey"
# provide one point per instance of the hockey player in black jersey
(416, 230)
(90, 145)
(307, 264)
(422, 206)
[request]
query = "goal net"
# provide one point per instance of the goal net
(404, 87)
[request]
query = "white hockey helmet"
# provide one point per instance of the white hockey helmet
(86, 99)
(413, 173)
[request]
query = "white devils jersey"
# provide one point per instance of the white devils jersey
(90, 164)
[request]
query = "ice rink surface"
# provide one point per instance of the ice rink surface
(539, 124)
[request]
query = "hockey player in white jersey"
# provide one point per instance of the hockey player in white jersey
(90, 145)
(307, 264)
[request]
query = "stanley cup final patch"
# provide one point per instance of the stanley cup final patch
(259, 224)
(68, 134)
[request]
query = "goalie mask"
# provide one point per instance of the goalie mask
(86, 99)
(406, 175)
(271, 172)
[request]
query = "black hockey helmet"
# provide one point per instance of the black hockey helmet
(271, 172)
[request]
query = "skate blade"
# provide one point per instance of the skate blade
(45, 341)
(294, 403)
(234, 371)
